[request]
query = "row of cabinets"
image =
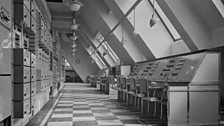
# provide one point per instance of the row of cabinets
(28, 15)
(24, 82)
(22, 57)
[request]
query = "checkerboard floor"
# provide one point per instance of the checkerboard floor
(83, 105)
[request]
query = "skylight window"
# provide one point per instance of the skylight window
(106, 47)
(170, 28)
(100, 59)
(220, 6)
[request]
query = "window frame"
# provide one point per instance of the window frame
(164, 23)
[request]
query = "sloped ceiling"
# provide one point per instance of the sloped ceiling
(92, 21)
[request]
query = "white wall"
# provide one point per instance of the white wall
(179, 48)
(157, 38)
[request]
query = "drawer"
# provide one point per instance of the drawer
(21, 92)
(33, 88)
(33, 60)
(26, 17)
(42, 39)
(33, 25)
(33, 74)
(34, 107)
(27, 3)
(21, 57)
(34, 9)
(22, 109)
(21, 74)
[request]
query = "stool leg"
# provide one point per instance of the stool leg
(161, 110)
(155, 109)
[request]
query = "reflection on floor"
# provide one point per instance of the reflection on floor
(82, 105)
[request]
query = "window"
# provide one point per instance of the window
(220, 6)
(170, 28)
(106, 47)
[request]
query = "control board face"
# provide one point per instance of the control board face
(175, 69)
(137, 68)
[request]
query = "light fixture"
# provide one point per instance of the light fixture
(74, 44)
(73, 49)
(74, 26)
(74, 34)
(104, 53)
(153, 19)
(75, 5)
(73, 38)
(135, 32)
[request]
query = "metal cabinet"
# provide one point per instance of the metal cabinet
(33, 25)
(32, 60)
(21, 74)
(22, 14)
(21, 57)
(34, 108)
(34, 10)
(33, 74)
(22, 109)
(21, 92)
(33, 88)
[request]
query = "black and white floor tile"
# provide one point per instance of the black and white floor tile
(82, 105)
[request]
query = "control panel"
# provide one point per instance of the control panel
(174, 69)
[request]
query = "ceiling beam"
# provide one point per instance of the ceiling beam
(177, 24)
(120, 21)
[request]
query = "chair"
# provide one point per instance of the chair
(156, 95)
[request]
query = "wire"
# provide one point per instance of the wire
(134, 18)
(153, 5)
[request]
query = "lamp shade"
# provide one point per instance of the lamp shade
(74, 45)
(153, 21)
(74, 34)
(123, 41)
(74, 26)
(104, 53)
(135, 32)
(74, 5)
(73, 38)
